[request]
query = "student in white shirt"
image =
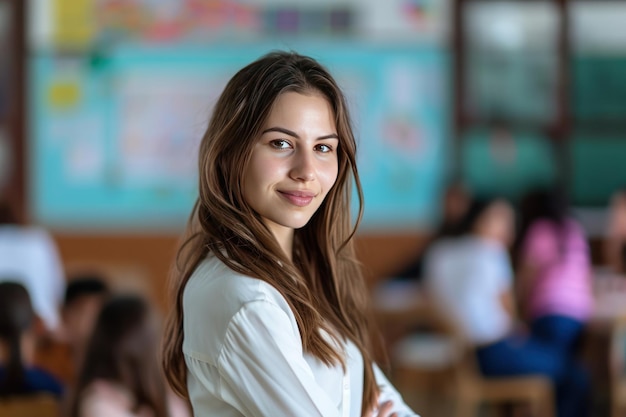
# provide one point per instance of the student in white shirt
(269, 310)
(29, 255)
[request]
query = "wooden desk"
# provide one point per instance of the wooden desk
(399, 307)
(398, 298)
(401, 302)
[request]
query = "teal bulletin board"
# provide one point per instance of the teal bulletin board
(507, 163)
(598, 88)
(114, 133)
(598, 141)
(597, 165)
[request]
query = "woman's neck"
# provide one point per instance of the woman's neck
(284, 237)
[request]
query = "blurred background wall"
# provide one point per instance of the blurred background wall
(103, 103)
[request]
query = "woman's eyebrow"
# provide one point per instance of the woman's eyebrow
(295, 135)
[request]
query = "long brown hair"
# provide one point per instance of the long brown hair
(121, 350)
(323, 284)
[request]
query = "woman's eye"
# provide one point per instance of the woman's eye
(280, 144)
(324, 148)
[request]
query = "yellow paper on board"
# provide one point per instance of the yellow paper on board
(74, 22)
(63, 94)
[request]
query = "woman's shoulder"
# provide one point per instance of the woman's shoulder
(214, 296)
(217, 292)
(104, 398)
(214, 280)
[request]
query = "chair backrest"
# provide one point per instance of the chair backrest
(36, 405)
(466, 370)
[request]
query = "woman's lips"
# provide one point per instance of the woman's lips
(298, 198)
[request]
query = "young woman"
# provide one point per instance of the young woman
(17, 346)
(269, 313)
(120, 376)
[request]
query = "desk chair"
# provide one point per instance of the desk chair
(474, 389)
(35, 405)
(469, 387)
(617, 368)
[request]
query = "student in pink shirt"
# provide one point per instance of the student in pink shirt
(554, 281)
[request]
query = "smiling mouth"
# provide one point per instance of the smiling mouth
(298, 198)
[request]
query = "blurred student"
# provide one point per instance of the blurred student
(614, 245)
(17, 346)
(456, 200)
(471, 279)
(84, 297)
(29, 254)
(120, 375)
(554, 282)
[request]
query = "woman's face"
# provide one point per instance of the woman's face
(293, 163)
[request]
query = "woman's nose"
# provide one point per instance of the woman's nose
(303, 168)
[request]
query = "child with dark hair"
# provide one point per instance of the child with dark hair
(17, 345)
(120, 375)
(84, 295)
(85, 285)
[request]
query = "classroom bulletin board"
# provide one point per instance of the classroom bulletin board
(114, 132)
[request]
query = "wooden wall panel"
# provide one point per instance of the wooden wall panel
(148, 258)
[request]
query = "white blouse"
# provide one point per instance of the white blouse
(244, 354)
